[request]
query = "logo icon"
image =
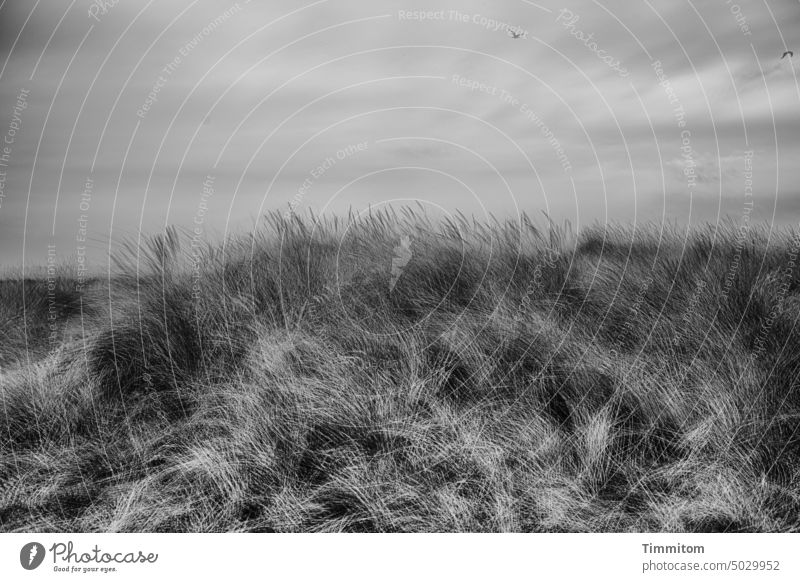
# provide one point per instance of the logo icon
(402, 256)
(31, 555)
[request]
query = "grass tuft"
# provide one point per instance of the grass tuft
(314, 377)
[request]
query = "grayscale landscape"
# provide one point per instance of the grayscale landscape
(350, 267)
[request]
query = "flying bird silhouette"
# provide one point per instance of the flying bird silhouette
(790, 53)
(514, 33)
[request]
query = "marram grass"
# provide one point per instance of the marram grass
(512, 378)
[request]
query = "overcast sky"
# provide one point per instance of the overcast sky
(625, 111)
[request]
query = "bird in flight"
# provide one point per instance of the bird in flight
(790, 53)
(514, 33)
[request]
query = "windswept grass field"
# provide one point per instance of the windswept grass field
(509, 378)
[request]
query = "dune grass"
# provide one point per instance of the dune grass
(514, 379)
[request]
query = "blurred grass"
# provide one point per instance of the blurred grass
(516, 378)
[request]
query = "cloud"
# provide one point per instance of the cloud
(708, 168)
(274, 87)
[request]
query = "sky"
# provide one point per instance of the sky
(121, 117)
